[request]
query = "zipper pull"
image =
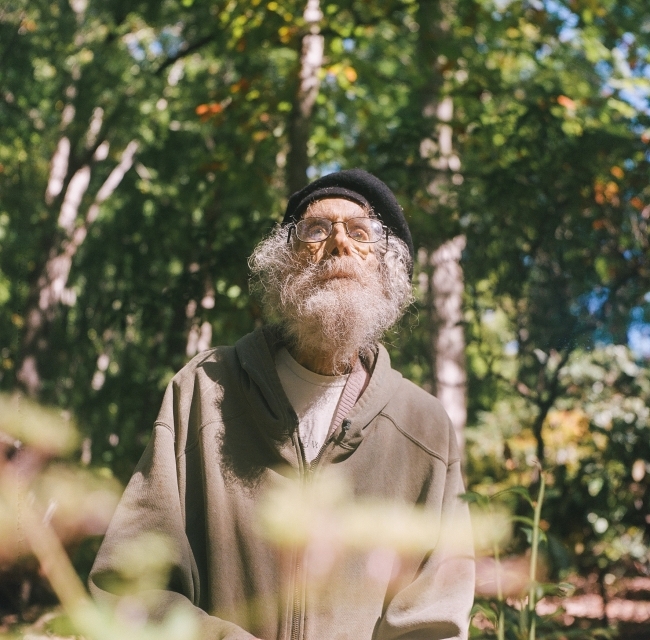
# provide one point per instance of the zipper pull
(346, 424)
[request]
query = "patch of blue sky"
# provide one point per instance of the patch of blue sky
(330, 167)
(638, 339)
(171, 40)
(592, 302)
(135, 49)
(637, 314)
(632, 83)
(568, 31)
(602, 338)
(323, 170)
(489, 315)
(511, 348)
(349, 44)
(638, 331)
(604, 69)
(596, 299)
(544, 51)
(638, 97)
(156, 48)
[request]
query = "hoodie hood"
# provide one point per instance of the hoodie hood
(273, 414)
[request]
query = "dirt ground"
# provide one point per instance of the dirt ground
(626, 607)
(626, 613)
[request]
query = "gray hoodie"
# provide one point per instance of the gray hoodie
(225, 435)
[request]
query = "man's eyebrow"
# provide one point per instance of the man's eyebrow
(323, 206)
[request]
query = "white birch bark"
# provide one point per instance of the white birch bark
(311, 61)
(449, 333)
(51, 285)
(445, 283)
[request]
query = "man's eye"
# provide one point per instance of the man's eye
(317, 230)
(359, 231)
(359, 234)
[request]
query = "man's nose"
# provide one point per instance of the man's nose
(339, 242)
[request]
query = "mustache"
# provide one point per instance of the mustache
(338, 267)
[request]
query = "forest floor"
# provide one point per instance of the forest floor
(626, 612)
(626, 607)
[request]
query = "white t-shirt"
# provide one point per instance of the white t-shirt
(314, 398)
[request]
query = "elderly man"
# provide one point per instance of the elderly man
(312, 392)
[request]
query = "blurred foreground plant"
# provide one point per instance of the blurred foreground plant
(509, 588)
(597, 451)
(45, 502)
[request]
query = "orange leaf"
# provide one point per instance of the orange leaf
(617, 172)
(566, 102)
(637, 203)
(243, 84)
(350, 74)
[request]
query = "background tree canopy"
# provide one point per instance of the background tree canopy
(147, 146)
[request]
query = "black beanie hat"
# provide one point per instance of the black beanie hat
(357, 186)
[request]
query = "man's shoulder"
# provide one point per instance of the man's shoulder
(206, 387)
(249, 354)
(206, 361)
(421, 418)
(208, 373)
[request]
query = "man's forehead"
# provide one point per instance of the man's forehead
(336, 207)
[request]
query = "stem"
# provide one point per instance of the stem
(533, 557)
(60, 573)
(497, 566)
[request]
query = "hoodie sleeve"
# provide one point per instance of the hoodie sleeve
(151, 506)
(436, 604)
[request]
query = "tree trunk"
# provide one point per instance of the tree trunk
(449, 332)
(446, 282)
(311, 60)
(51, 289)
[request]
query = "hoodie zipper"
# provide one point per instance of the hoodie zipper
(345, 426)
(295, 618)
(307, 474)
(297, 600)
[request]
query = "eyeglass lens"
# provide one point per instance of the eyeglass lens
(359, 229)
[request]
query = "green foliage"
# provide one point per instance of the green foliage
(596, 452)
(546, 178)
(508, 582)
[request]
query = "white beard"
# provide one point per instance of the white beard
(334, 309)
(338, 318)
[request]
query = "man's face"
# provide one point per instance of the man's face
(336, 297)
(339, 244)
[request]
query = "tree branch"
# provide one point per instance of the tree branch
(185, 51)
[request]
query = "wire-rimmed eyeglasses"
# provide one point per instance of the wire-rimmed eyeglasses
(364, 230)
